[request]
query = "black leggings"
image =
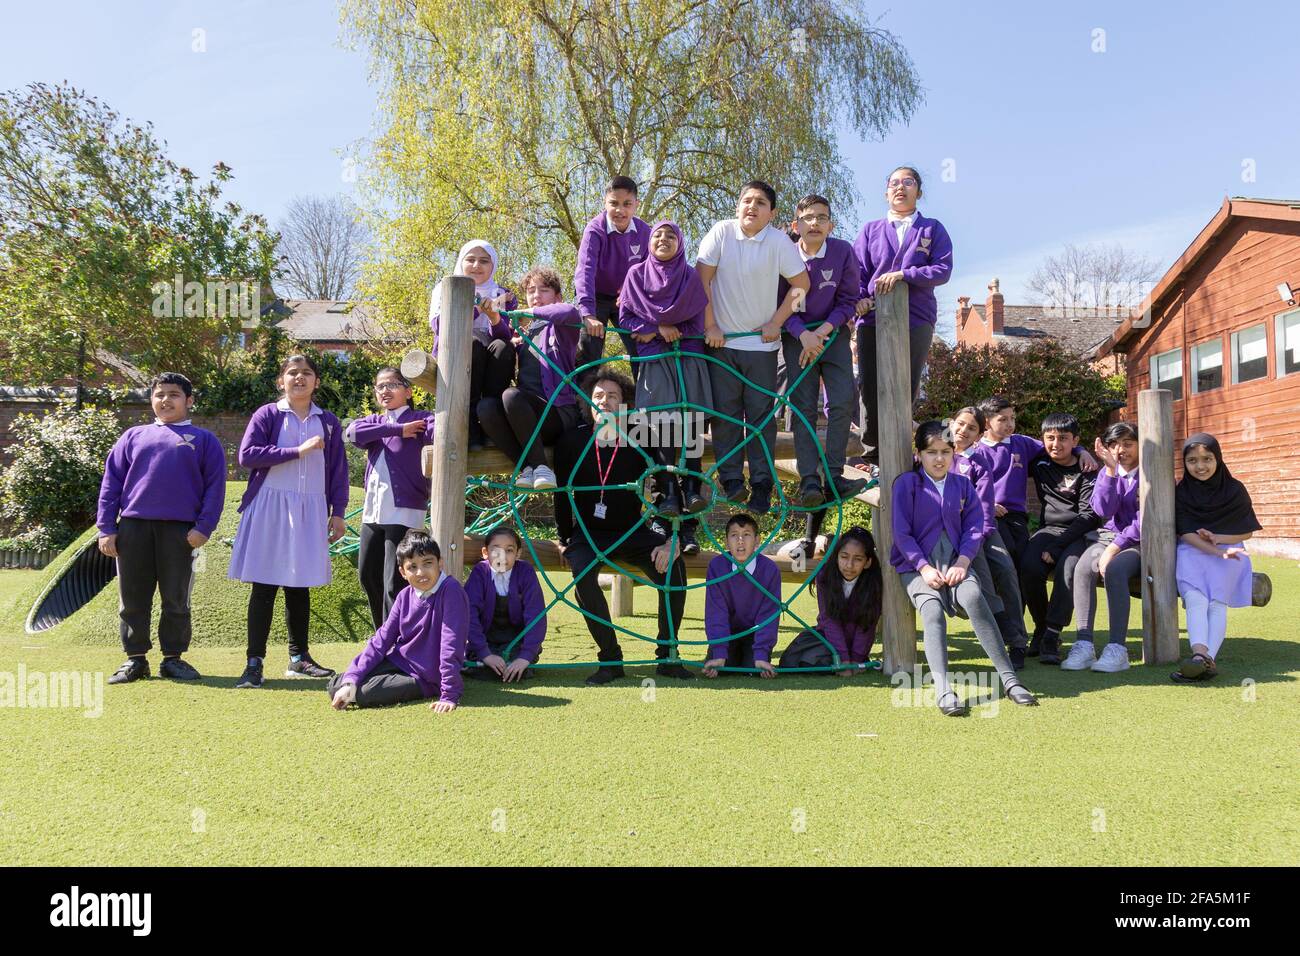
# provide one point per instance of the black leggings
(490, 369)
(511, 419)
(261, 606)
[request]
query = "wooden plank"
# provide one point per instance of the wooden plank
(1156, 502)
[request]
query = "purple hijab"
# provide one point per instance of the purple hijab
(665, 293)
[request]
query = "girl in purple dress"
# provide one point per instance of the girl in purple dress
(1213, 516)
(849, 592)
(291, 513)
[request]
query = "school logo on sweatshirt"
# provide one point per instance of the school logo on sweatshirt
(636, 252)
(924, 243)
(1015, 459)
(1068, 483)
(827, 278)
(187, 439)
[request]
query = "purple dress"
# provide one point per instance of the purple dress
(283, 535)
(1229, 582)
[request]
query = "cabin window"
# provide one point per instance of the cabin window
(1167, 372)
(1207, 366)
(1249, 354)
(1287, 340)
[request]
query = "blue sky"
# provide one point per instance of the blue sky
(1050, 141)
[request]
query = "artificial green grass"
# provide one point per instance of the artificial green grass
(1111, 769)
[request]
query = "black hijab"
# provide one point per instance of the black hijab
(1220, 504)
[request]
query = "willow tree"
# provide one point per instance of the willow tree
(504, 118)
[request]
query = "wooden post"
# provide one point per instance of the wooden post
(453, 298)
(420, 368)
(1156, 500)
(894, 401)
(620, 604)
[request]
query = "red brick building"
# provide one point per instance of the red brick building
(1221, 330)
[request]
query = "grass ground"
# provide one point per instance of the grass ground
(1111, 769)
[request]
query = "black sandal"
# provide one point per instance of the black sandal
(1195, 667)
(957, 708)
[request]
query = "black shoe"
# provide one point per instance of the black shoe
(678, 671)
(669, 504)
(1050, 650)
(760, 499)
(133, 669)
(850, 487)
(952, 706)
(733, 491)
(1017, 655)
(1035, 644)
(604, 674)
(306, 668)
(177, 669)
(693, 499)
(252, 676)
(686, 538)
(810, 493)
(1019, 694)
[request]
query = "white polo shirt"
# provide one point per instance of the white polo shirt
(744, 288)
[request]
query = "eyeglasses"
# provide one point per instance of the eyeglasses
(389, 386)
(908, 183)
(816, 219)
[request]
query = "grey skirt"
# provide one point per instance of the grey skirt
(942, 557)
(657, 384)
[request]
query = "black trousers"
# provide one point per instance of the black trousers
(386, 684)
(491, 367)
(919, 338)
(1014, 529)
(1035, 573)
(591, 348)
(377, 567)
(635, 551)
(510, 420)
(154, 555)
(261, 607)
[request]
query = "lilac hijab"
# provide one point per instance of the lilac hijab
(666, 293)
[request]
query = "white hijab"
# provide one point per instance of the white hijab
(489, 289)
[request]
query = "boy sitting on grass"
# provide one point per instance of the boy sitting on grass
(737, 602)
(418, 651)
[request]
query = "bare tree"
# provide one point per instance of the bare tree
(1105, 278)
(321, 242)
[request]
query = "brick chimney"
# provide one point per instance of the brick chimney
(993, 309)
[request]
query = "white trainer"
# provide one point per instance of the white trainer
(525, 479)
(1081, 656)
(1114, 658)
(543, 478)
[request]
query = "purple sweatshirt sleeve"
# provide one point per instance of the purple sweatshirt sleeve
(213, 471)
(972, 525)
(717, 613)
(985, 491)
(373, 428)
(1105, 494)
(1130, 535)
(846, 293)
(455, 625)
(258, 448)
(939, 270)
(530, 647)
(831, 629)
(862, 253)
(903, 502)
(475, 598)
(765, 637)
(378, 647)
(584, 277)
(336, 467)
(110, 486)
(629, 321)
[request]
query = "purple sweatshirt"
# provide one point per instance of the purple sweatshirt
(1115, 497)
(639, 325)
(974, 464)
(851, 642)
(737, 604)
(498, 330)
(604, 258)
(558, 340)
(1007, 463)
(164, 473)
(377, 435)
(834, 282)
(258, 452)
(925, 261)
(422, 637)
(525, 595)
(920, 517)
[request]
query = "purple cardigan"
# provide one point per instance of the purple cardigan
(920, 517)
(1115, 497)
(736, 604)
(558, 341)
(422, 637)
(525, 595)
(851, 642)
(835, 280)
(975, 466)
(925, 261)
(164, 473)
(379, 436)
(258, 452)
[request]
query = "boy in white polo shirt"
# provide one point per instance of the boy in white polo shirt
(741, 261)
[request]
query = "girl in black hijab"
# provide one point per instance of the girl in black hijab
(1213, 517)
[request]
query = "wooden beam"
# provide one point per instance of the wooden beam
(420, 368)
(1158, 544)
(453, 299)
(894, 401)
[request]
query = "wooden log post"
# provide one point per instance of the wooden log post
(453, 298)
(620, 594)
(894, 398)
(420, 368)
(1156, 501)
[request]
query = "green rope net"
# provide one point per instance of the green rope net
(488, 518)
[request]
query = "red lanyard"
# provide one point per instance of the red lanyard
(604, 476)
